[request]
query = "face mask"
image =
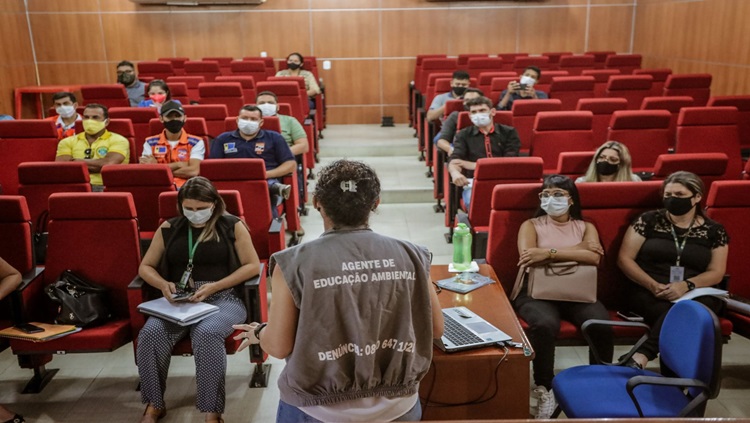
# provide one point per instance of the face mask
(174, 126)
(248, 127)
(293, 66)
(158, 98)
(126, 78)
(555, 206)
(606, 168)
(267, 109)
(66, 111)
(678, 206)
(92, 127)
(198, 217)
(529, 81)
(481, 119)
(459, 91)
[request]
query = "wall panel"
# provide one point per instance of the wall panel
(138, 36)
(610, 28)
(552, 29)
(68, 37)
(260, 32)
(16, 58)
(352, 82)
(346, 34)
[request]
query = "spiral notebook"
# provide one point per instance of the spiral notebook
(183, 313)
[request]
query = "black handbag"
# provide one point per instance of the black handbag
(81, 303)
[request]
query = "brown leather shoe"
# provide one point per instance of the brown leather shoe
(153, 414)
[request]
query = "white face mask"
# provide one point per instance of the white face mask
(198, 217)
(66, 111)
(529, 81)
(555, 206)
(248, 127)
(481, 119)
(267, 109)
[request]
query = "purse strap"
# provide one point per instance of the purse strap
(519, 282)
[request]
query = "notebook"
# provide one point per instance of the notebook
(50, 332)
(465, 330)
(184, 314)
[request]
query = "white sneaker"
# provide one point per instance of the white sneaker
(546, 404)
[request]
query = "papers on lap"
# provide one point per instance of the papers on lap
(183, 313)
(699, 292)
(50, 332)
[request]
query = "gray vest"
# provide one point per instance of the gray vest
(365, 321)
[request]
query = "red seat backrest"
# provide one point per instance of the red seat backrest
(511, 57)
(156, 70)
(207, 69)
(463, 59)
(145, 182)
(227, 93)
(248, 176)
(601, 79)
(498, 86)
(524, 113)
(477, 65)
(670, 104)
(224, 63)
(213, 114)
(109, 95)
(24, 141)
(574, 163)
(633, 88)
(499, 170)
(179, 92)
(15, 230)
(522, 62)
(267, 61)
(569, 89)
(255, 68)
(729, 204)
(441, 86)
(484, 81)
(660, 77)
(248, 86)
(286, 92)
(122, 127)
(418, 64)
(433, 65)
(600, 57)
(711, 130)
(644, 132)
(554, 57)
(696, 85)
(546, 79)
(602, 108)
(576, 64)
(556, 132)
(168, 204)
(626, 63)
(709, 166)
(742, 103)
(192, 83)
(453, 106)
(178, 63)
(270, 123)
(39, 180)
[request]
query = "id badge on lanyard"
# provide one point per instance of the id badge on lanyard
(187, 276)
(677, 272)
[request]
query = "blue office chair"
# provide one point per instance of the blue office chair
(690, 347)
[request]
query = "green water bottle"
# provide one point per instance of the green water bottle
(461, 247)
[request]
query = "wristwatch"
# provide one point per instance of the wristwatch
(690, 285)
(258, 329)
(552, 253)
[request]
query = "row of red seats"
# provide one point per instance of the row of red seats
(211, 67)
(78, 222)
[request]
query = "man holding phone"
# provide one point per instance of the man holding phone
(522, 89)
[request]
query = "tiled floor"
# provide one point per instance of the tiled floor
(101, 387)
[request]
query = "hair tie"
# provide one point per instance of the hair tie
(350, 186)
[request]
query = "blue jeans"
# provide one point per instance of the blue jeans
(466, 196)
(291, 414)
(276, 199)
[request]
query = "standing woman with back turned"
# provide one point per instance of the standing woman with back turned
(354, 313)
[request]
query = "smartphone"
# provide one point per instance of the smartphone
(182, 296)
(630, 316)
(522, 87)
(28, 328)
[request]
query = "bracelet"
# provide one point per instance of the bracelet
(258, 329)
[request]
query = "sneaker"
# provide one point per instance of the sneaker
(546, 404)
(285, 190)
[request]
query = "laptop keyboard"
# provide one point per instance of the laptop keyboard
(457, 333)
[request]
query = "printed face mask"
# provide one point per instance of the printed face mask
(555, 206)
(528, 81)
(198, 217)
(248, 127)
(606, 168)
(93, 127)
(678, 206)
(66, 111)
(267, 109)
(481, 119)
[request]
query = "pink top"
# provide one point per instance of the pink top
(552, 234)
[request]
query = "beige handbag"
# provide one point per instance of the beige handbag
(559, 281)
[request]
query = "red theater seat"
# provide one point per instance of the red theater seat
(670, 104)
(600, 57)
(145, 182)
(122, 127)
(576, 64)
(524, 114)
(179, 92)
(709, 166)
(477, 65)
(574, 163)
(633, 88)
(711, 130)
(601, 79)
(569, 89)
(523, 62)
(463, 59)
(247, 83)
(626, 63)
(644, 132)
(213, 114)
(602, 108)
(224, 63)
(195, 126)
(484, 81)
(742, 103)
(207, 69)
(660, 78)
(557, 132)
(255, 68)
(545, 80)
(24, 141)
(178, 63)
(696, 85)
(109, 95)
(191, 82)
(227, 93)
(156, 70)
(554, 57)
(16, 230)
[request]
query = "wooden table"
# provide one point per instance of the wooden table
(476, 384)
(38, 90)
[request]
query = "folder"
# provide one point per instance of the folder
(51, 331)
(182, 313)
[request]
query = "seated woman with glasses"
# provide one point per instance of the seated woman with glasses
(557, 233)
(669, 252)
(611, 163)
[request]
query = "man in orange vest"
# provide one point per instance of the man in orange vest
(173, 146)
(65, 121)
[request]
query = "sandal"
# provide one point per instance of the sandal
(156, 413)
(215, 420)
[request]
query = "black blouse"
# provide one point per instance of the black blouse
(210, 262)
(658, 253)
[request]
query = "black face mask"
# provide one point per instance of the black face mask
(174, 126)
(606, 168)
(126, 78)
(459, 91)
(678, 206)
(293, 66)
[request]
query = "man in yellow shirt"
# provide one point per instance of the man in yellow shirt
(96, 146)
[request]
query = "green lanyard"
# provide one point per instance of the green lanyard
(191, 249)
(677, 245)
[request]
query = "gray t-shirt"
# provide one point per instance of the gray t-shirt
(365, 318)
(136, 93)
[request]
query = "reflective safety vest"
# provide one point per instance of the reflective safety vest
(164, 153)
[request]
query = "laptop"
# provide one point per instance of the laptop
(465, 330)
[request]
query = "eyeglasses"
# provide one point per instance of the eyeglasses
(613, 160)
(556, 194)
(88, 153)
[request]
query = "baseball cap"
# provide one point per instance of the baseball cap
(172, 106)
